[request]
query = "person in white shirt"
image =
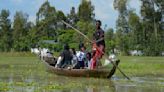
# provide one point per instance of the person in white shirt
(81, 56)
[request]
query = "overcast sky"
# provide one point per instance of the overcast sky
(103, 8)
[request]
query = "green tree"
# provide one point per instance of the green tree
(66, 37)
(5, 31)
(33, 37)
(60, 17)
(85, 11)
(136, 32)
(160, 23)
(87, 28)
(110, 40)
(86, 21)
(122, 27)
(20, 32)
(151, 12)
(46, 21)
(72, 17)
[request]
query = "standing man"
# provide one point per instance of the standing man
(98, 48)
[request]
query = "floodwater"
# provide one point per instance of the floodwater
(32, 77)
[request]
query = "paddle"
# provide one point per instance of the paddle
(93, 42)
(118, 68)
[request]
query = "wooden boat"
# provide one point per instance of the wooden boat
(97, 73)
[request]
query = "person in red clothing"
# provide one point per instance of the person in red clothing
(98, 48)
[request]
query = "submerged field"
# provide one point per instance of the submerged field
(23, 72)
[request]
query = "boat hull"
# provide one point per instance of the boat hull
(97, 73)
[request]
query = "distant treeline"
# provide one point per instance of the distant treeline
(133, 32)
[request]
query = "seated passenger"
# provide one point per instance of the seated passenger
(65, 58)
(74, 59)
(88, 59)
(81, 56)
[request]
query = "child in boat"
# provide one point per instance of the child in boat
(81, 56)
(88, 63)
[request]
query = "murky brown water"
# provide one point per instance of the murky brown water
(33, 78)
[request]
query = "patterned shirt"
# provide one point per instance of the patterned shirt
(99, 34)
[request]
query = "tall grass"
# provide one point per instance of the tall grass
(142, 66)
